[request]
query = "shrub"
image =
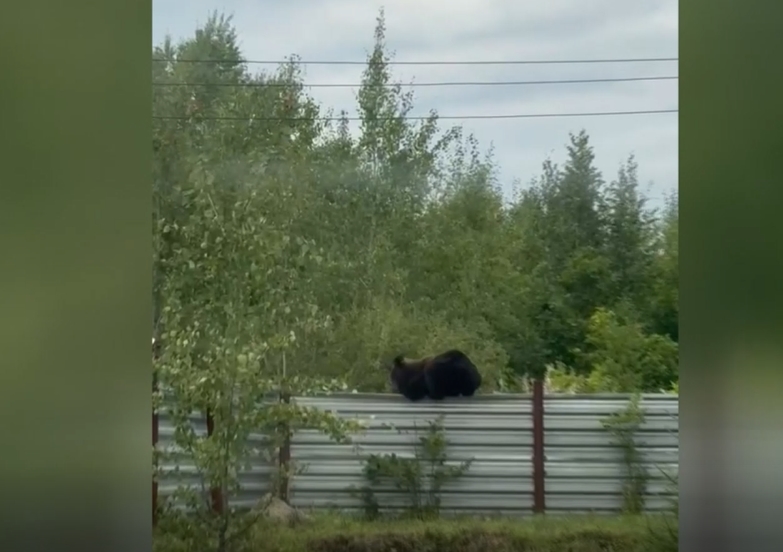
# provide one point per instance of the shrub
(420, 479)
(623, 427)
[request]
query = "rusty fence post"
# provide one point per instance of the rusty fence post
(216, 493)
(284, 456)
(539, 471)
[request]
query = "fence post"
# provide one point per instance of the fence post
(284, 456)
(216, 493)
(539, 471)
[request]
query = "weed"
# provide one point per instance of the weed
(623, 427)
(420, 479)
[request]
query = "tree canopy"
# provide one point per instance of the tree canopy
(282, 237)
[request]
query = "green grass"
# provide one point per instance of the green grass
(333, 533)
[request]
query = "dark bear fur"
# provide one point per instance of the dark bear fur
(449, 374)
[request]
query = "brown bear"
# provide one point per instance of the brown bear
(448, 374)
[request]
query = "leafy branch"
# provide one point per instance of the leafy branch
(623, 427)
(421, 478)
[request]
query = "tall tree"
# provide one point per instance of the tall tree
(666, 311)
(567, 211)
(630, 241)
(575, 203)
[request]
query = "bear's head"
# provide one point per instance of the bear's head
(403, 371)
(395, 370)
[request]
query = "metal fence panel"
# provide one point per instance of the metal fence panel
(584, 469)
(494, 434)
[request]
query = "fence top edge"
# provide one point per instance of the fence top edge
(488, 397)
(392, 397)
(612, 396)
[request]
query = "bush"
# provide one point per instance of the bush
(421, 478)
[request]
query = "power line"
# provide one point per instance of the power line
(424, 118)
(391, 62)
(421, 84)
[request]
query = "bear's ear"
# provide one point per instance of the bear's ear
(399, 360)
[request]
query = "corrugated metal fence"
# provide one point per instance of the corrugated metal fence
(583, 467)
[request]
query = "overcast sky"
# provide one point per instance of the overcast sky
(436, 30)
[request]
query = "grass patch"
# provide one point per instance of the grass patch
(333, 533)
